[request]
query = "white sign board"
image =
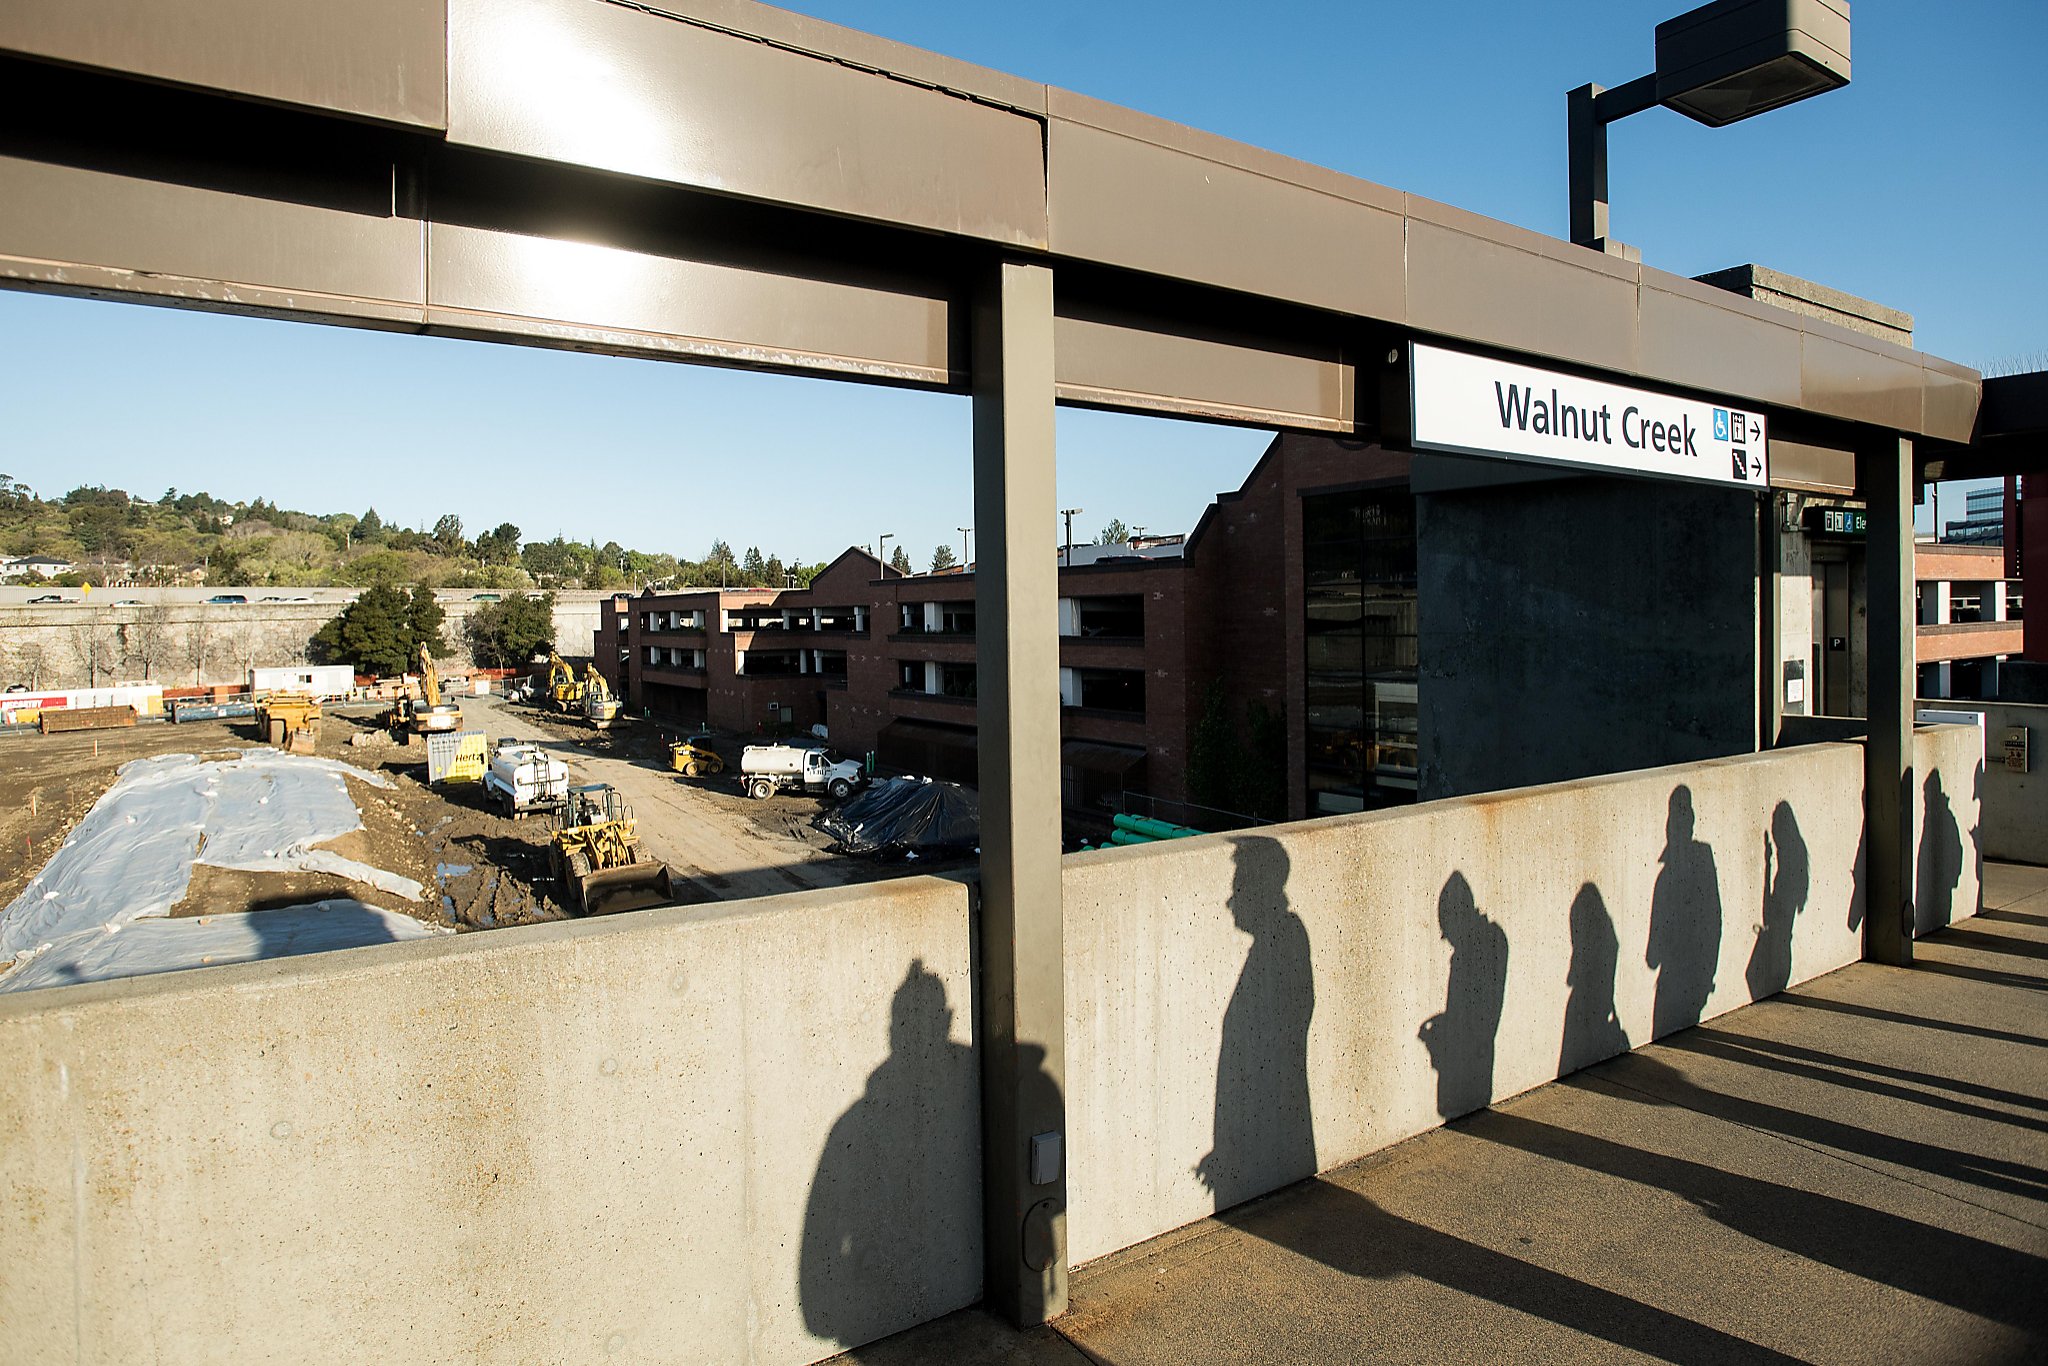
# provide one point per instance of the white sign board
(1471, 405)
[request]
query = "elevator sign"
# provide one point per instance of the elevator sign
(1470, 405)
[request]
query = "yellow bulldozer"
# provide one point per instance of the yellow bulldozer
(596, 860)
(290, 720)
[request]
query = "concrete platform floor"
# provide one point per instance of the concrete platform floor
(1856, 1170)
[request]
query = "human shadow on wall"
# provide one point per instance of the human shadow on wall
(1592, 1030)
(868, 1244)
(1460, 1039)
(1939, 869)
(1265, 1124)
(1787, 876)
(1685, 922)
(1859, 894)
(1977, 832)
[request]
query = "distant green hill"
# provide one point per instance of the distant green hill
(185, 537)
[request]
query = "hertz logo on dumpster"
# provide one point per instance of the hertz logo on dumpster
(1471, 405)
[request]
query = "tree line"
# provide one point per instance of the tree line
(113, 536)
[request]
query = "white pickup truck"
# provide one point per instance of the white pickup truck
(523, 777)
(767, 769)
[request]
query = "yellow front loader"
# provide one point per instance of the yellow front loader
(694, 757)
(596, 860)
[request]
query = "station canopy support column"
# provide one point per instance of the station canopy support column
(1023, 987)
(1885, 476)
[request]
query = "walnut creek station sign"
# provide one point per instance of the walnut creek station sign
(1471, 405)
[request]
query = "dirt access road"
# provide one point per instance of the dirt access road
(727, 846)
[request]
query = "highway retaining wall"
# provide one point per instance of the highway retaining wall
(166, 636)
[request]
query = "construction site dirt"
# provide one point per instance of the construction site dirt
(480, 869)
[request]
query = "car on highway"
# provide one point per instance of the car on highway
(48, 597)
(287, 599)
(226, 599)
(128, 602)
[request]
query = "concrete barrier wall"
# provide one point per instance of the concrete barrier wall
(1948, 820)
(2015, 804)
(754, 1135)
(668, 1137)
(1245, 1010)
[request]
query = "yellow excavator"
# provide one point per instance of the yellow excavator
(600, 708)
(427, 714)
(595, 856)
(565, 694)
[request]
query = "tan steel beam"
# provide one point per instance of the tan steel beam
(857, 135)
(380, 60)
(1023, 984)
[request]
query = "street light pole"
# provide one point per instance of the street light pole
(882, 549)
(1067, 555)
(963, 530)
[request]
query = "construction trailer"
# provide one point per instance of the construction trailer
(323, 682)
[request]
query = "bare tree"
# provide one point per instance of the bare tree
(32, 661)
(148, 637)
(198, 647)
(97, 649)
(242, 648)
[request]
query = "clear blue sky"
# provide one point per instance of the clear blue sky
(1921, 185)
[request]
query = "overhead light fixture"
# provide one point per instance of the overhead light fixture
(1734, 59)
(1718, 64)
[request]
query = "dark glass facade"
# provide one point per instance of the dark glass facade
(1358, 568)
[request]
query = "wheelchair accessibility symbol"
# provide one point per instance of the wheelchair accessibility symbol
(1720, 424)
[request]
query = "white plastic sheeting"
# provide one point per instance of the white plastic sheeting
(143, 947)
(131, 857)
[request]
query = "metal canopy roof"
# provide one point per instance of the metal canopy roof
(723, 181)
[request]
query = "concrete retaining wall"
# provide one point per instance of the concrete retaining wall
(666, 1137)
(161, 636)
(754, 1135)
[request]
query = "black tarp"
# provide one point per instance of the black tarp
(903, 815)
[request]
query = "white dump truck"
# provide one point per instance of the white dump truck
(767, 769)
(523, 777)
